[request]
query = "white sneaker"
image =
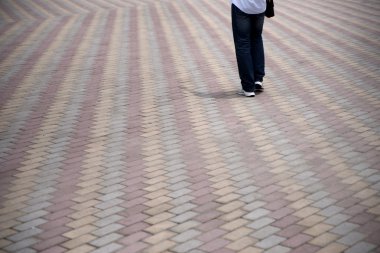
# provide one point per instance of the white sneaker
(259, 86)
(246, 93)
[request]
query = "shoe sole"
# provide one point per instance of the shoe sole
(259, 87)
(246, 94)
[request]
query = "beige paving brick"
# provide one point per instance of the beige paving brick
(156, 187)
(85, 204)
(90, 189)
(81, 222)
(251, 250)
(238, 233)
(91, 182)
(222, 184)
(159, 237)
(84, 213)
(324, 239)
(371, 202)
(229, 207)
(4, 243)
(235, 224)
(82, 249)
(78, 241)
(351, 180)
(294, 196)
(159, 218)
(233, 215)
(318, 229)
(358, 186)
(158, 209)
(311, 220)
(160, 247)
(225, 191)
(156, 180)
(158, 227)
(228, 198)
(375, 210)
(9, 224)
(158, 201)
(4, 233)
(156, 194)
(242, 243)
(300, 204)
(306, 211)
(87, 197)
(79, 231)
(185, 226)
(333, 248)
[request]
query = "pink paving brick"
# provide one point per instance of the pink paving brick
(306, 248)
(211, 235)
(296, 240)
(291, 231)
(214, 245)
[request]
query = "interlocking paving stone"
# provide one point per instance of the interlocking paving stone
(121, 130)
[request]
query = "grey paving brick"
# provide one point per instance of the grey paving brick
(265, 232)
(32, 216)
(108, 248)
(344, 228)
(278, 249)
(255, 205)
(183, 208)
(112, 188)
(15, 247)
(27, 250)
(30, 224)
(36, 207)
(187, 246)
(104, 240)
(270, 241)
(24, 234)
(262, 222)
(181, 200)
(109, 203)
(177, 179)
(179, 185)
(323, 203)
(196, 251)
(304, 175)
(108, 229)
(330, 211)
(251, 197)
(184, 226)
(108, 220)
(184, 217)
(110, 196)
(186, 236)
(337, 219)
(256, 214)
(352, 238)
(109, 211)
(179, 193)
(42, 192)
(361, 247)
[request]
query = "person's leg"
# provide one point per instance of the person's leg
(241, 27)
(257, 47)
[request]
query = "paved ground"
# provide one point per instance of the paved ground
(121, 131)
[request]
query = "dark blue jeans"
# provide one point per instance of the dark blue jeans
(247, 31)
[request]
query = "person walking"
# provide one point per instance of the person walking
(247, 26)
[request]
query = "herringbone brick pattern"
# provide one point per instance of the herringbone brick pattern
(121, 131)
